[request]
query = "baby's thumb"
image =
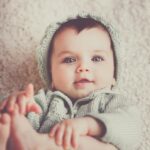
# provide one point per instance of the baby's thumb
(33, 107)
(29, 90)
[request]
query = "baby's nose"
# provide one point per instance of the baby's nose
(83, 68)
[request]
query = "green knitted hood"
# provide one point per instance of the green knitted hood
(42, 50)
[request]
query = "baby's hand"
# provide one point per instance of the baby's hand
(68, 131)
(24, 100)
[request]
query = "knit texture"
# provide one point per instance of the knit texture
(121, 118)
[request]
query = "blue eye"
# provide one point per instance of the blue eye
(69, 60)
(97, 59)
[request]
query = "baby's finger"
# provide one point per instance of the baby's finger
(75, 139)
(5, 118)
(67, 137)
(33, 107)
(29, 90)
(3, 104)
(11, 102)
(21, 101)
(53, 130)
(16, 110)
(60, 134)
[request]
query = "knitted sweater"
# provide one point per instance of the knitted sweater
(120, 118)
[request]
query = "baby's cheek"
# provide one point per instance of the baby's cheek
(101, 81)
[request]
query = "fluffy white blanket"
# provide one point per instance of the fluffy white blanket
(22, 25)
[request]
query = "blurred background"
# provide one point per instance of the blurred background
(22, 26)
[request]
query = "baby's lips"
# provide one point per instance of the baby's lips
(83, 80)
(83, 83)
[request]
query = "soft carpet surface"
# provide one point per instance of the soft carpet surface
(22, 25)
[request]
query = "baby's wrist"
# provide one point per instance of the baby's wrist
(95, 127)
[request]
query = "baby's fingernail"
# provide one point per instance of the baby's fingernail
(51, 134)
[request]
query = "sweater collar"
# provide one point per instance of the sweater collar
(88, 98)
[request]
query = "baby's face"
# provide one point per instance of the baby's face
(82, 62)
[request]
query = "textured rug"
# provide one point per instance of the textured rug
(22, 25)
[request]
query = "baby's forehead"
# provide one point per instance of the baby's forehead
(71, 29)
(88, 39)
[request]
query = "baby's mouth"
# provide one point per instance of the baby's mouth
(83, 82)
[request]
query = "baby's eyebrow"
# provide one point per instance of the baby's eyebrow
(100, 51)
(65, 52)
(96, 51)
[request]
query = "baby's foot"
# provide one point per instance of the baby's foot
(24, 137)
(4, 130)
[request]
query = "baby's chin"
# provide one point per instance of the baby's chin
(82, 93)
(79, 95)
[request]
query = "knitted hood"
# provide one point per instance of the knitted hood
(42, 50)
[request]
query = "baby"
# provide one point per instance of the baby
(77, 59)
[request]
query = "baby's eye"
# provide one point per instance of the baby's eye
(69, 60)
(97, 58)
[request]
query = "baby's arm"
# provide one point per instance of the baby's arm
(123, 123)
(24, 99)
(68, 132)
(85, 143)
(89, 143)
